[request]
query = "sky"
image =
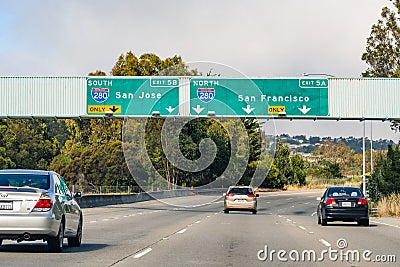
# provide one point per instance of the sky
(258, 38)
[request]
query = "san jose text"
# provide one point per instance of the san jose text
(139, 94)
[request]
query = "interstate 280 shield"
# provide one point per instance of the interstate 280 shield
(100, 94)
(206, 94)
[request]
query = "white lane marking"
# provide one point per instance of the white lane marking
(93, 221)
(314, 213)
(199, 221)
(386, 224)
(303, 228)
(182, 231)
(280, 216)
(326, 243)
(104, 220)
(289, 220)
(126, 216)
(208, 216)
(310, 233)
(142, 253)
(306, 203)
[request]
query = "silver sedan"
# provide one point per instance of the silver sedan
(38, 205)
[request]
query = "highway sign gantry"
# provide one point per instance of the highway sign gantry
(259, 97)
(139, 96)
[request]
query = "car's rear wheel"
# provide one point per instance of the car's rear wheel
(319, 220)
(254, 212)
(55, 244)
(76, 240)
(324, 222)
(226, 211)
(1, 241)
(364, 222)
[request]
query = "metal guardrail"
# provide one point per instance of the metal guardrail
(373, 210)
(101, 190)
(98, 200)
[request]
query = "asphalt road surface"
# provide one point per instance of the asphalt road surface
(284, 232)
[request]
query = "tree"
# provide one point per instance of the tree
(328, 169)
(386, 176)
(98, 73)
(150, 65)
(27, 144)
(383, 45)
(284, 169)
(298, 166)
(338, 155)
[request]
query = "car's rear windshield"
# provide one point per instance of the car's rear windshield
(345, 192)
(21, 180)
(240, 191)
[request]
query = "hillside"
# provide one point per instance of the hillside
(304, 144)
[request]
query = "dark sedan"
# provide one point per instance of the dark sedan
(343, 203)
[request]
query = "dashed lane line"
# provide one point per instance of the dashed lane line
(182, 231)
(324, 242)
(142, 253)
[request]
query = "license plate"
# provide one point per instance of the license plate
(240, 200)
(346, 204)
(6, 205)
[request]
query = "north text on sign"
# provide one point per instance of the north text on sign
(205, 83)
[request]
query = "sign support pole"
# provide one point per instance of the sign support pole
(364, 182)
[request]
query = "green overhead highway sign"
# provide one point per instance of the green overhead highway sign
(259, 97)
(132, 96)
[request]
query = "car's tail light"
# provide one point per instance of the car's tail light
(362, 201)
(330, 201)
(230, 195)
(43, 204)
(251, 195)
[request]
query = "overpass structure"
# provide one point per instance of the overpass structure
(282, 98)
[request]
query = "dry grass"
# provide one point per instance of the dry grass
(313, 186)
(389, 206)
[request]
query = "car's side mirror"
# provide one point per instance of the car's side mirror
(77, 194)
(318, 198)
(257, 195)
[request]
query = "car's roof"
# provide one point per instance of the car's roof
(25, 171)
